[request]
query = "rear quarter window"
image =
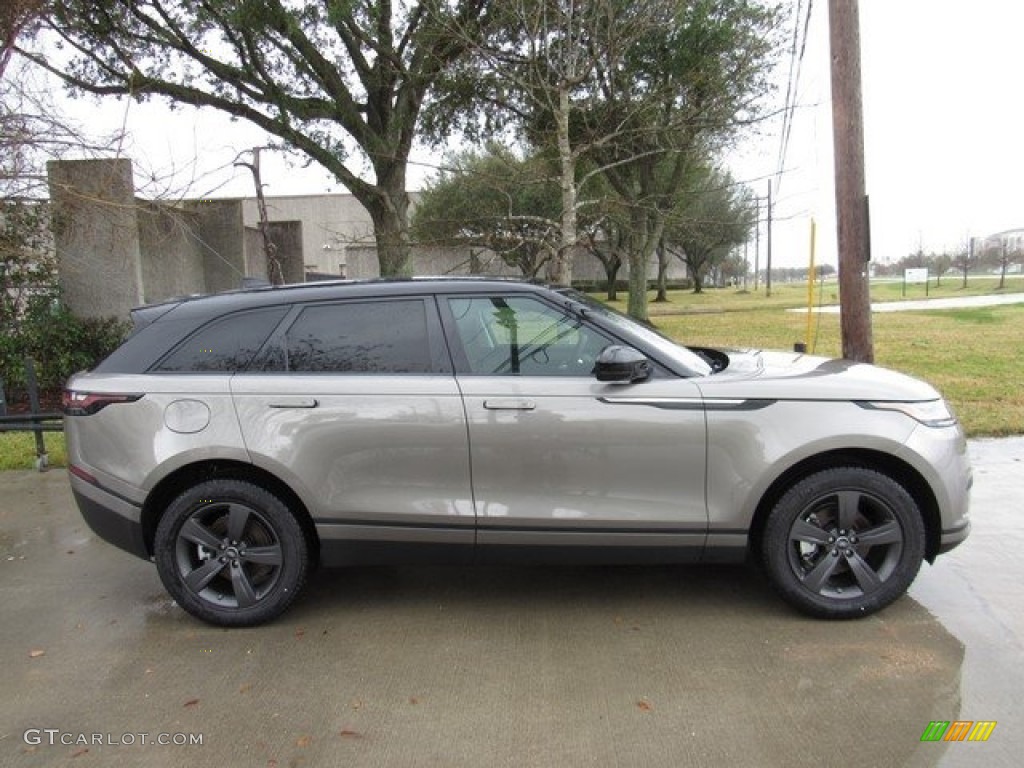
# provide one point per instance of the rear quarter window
(225, 345)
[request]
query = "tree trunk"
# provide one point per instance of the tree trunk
(611, 271)
(390, 215)
(648, 226)
(662, 295)
(698, 278)
(636, 305)
(560, 267)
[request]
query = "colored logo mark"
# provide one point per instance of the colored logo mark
(958, 730)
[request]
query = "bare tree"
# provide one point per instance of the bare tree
(539, 72)
(33, 131)
(343, 83)
(713, 217)
(689, 86)
(493, 200)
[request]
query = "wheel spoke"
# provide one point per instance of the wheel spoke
(849, 502)
(238, 517)
(803, 530)
(269, 555)
(203, 575)
(816, 579)
(886, 533)
(244, 593)
(864, 573)
(198, 533)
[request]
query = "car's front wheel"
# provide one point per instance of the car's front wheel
(844, 542)
(231, 553)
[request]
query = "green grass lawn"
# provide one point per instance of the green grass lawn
(18, 449)
(791, 295)
(975, 357)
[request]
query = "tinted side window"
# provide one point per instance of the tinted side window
(225, 345)
(358, 337)
(520, 336)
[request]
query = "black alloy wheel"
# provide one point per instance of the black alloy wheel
(231, 553)
(844, 543)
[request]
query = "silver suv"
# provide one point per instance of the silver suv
(240, 439)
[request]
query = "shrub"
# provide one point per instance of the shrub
(59, 342)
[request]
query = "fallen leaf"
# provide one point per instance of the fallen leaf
(71, 551)
(192, 703)
(347, 733)
(413, 700)
(357, 704)
(303, 741)
(80, 752)
(35, 653)
(644, 706)
(244, 687)
(299, 633)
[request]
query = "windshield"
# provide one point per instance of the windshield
(662, 343)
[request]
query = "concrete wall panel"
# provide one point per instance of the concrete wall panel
(96, 236)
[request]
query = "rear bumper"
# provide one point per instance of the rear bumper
(111, 517)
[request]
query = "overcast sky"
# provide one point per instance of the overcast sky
(942, 106)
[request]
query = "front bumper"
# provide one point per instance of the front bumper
(954, 537)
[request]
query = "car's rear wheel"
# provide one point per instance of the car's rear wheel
(844, 543)
(231, 553)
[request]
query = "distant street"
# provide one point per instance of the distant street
(962, 302)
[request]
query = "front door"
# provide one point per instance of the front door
(561, 461)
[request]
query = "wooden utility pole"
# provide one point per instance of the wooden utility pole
(757, 245)
(768, 243)
(851, 198)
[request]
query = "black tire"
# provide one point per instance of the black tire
(231, 553)
(843, 543)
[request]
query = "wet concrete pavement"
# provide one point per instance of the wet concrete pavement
(505, 666)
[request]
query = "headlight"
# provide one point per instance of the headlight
(931, 413)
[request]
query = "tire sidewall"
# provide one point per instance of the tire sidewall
(274, 513)
(776, 541)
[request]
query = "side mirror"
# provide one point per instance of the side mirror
(622, 365)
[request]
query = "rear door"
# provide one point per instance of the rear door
(355, 405)
(562, 462)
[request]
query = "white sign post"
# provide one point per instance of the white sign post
(915, 275)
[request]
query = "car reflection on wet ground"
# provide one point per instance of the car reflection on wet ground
(506, 666)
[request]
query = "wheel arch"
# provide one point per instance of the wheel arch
(177, 481)
(885, 463)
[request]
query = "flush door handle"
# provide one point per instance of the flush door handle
(308, 402)
(509, 404)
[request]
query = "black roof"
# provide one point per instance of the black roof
(206, 305)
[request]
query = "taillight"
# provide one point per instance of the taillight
(76, 403)
(77, 471)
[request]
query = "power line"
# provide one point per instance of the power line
(796, 59)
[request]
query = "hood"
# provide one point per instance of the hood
(796, 376)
